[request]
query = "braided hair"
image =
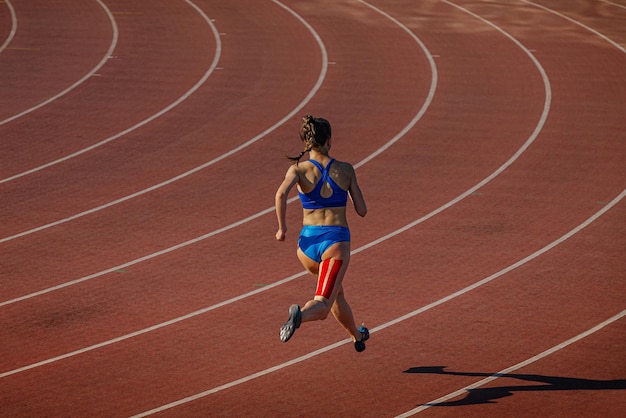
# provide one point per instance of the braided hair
(314, 132)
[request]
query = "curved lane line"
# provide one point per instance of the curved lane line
(73, 86)
(421, 112)
(613, 4)
(504, 372)
(13, 26)
(431, 90)
(303, 103)
(390, 323)
(595, 32)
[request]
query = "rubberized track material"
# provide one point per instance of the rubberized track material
(141, 146)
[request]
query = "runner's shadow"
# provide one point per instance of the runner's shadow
(487, 395)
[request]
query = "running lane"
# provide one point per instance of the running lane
(213, 271)
(161, 53)
(56, 43)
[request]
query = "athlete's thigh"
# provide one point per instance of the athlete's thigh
(338, 251)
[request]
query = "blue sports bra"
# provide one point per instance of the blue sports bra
(314, 199)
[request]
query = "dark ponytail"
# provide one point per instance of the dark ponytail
(314, 132)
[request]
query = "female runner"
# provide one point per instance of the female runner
(324, 244)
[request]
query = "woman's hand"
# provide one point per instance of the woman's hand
(280, 235)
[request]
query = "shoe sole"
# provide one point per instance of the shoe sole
(289, 327)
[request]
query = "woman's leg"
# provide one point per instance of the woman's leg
(329, 295)
(318, 308)
(338, 255)
(343, 314)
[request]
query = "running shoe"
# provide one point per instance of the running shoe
(365, 335)
(294, 321)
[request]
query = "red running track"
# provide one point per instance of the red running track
(139, 273)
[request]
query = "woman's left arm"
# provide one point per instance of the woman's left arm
(291, 178)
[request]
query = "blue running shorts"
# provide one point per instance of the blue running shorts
(315, 240)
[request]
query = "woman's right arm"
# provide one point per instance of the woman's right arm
(291, 178)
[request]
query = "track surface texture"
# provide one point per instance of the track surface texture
(141, 144)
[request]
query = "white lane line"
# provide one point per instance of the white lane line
(304, 102)
(504, 372)
(431, 90)
(390, 323)
(265, 211)
(8, 40)
(613, 4)
(595, 32)
(143, 122)
(77, 83)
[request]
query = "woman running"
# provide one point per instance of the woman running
(324, 244)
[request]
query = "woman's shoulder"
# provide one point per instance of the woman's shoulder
(342, 173)
(343, 166)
